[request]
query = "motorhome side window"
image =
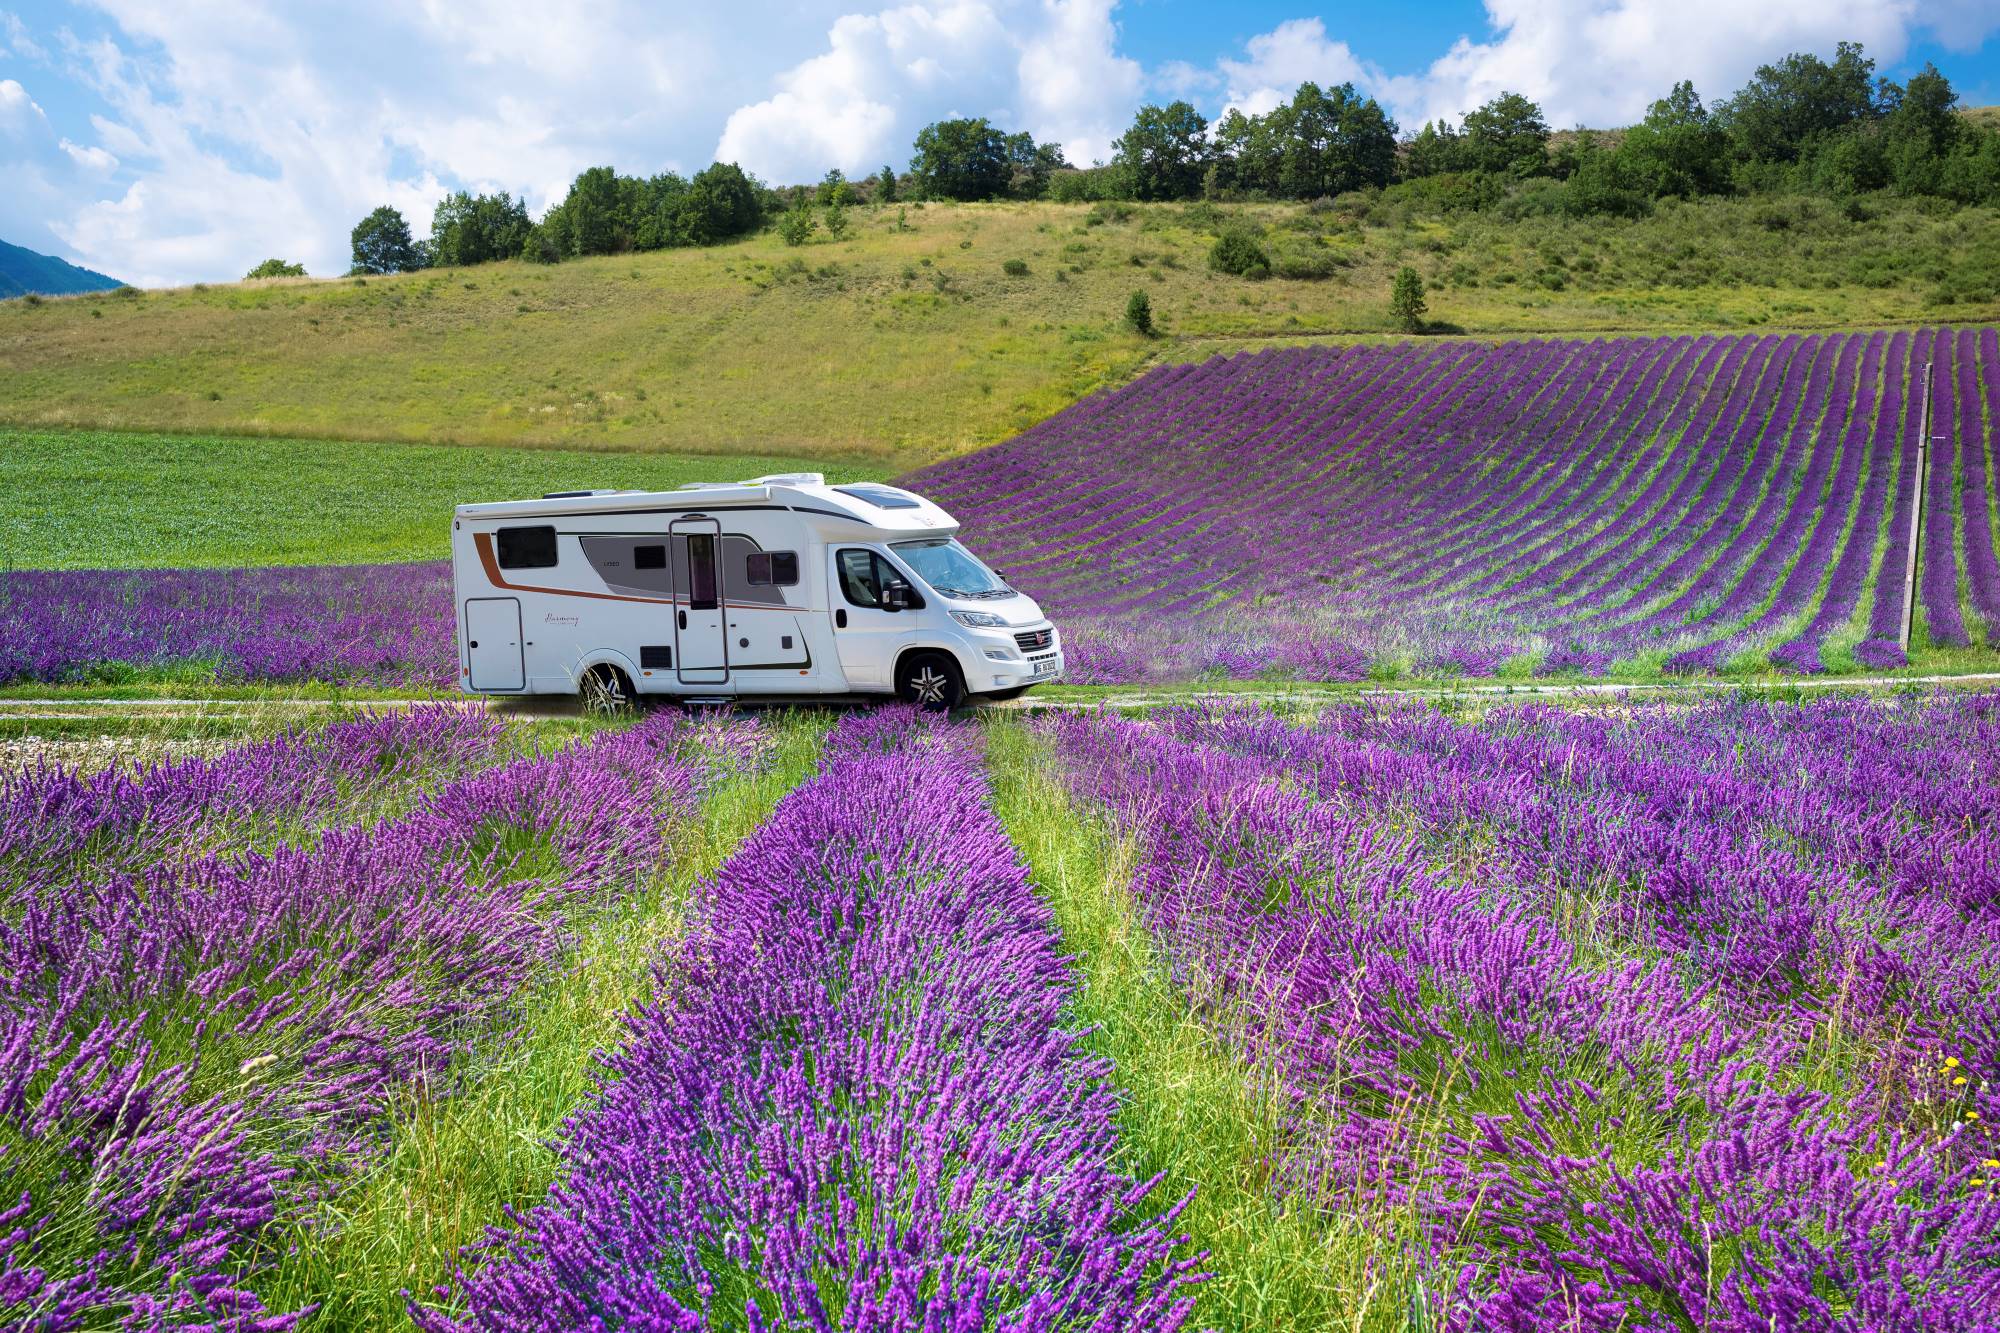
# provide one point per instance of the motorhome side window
(527, 548)
(772, 568)
(649, 557)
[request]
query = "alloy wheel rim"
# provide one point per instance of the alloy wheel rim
(929, 685)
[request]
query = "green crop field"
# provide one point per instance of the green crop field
(909, 340)
(104, 500)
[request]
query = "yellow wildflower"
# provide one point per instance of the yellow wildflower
(1958, 1082)
(1951, 1062)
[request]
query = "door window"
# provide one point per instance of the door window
(860, 579)
(865, 575)
(701, 572)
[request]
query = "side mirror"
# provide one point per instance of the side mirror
(897, 597)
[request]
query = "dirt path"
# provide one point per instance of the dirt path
(59, 709)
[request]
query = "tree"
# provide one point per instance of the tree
(276, 268)
(472, 229)
(1031, 165)
(1508, 136)
(1139, 313)
(961, 159)
(1406, 301)
(721, 201)
(1678, 149)
(885, 186)
(1165, 152)
(1234, 149)
(1436, 149)
(600, 214)
(1921, 133)
(1326, 142)
(382, 244)
(836, 221)
(834, 191)
(1802, 98)
(798, 224)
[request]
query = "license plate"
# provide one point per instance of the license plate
(1043, 669)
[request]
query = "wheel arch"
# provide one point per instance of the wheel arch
(917, 649)
(606, 657)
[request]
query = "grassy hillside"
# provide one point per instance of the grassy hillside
(908, 341)
(111, 500)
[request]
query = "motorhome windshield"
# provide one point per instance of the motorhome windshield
(951, 569)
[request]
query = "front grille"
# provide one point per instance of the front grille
(1034, 640)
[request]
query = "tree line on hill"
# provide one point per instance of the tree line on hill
(1801, 125)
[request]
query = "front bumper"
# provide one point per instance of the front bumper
(999, 663)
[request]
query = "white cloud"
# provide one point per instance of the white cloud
(1602, 62)
(96, 159)
(849, 106)
(18, 39)
(1050, 68)
(16, 107)
(1076, 90)
(233, 131)
(1296, 51)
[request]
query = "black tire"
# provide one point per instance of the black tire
(605, 691)
(1004, 695)
(931, 682)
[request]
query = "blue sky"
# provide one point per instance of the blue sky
(175, 142)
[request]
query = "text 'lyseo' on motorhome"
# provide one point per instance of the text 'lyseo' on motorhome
(777, 585)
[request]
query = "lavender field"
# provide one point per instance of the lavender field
(1665, 505)
(1683, 503)
(1669, 1017)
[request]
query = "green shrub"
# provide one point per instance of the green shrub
(1406, 301)
(1237, 251)
(1015, 268)
(1139, 313)
(798, 225)
(276, 268)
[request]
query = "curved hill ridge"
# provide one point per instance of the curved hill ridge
(1689, 501)
(23, 271)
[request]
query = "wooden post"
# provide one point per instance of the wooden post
(1917, 514)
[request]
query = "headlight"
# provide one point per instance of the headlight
(979, 619)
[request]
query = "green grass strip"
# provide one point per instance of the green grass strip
(1191, 1108)
(456, 1163)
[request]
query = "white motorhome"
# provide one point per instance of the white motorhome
(777, 585)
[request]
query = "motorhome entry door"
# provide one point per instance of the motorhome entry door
(493, 659)
(701, 642)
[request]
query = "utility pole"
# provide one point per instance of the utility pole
(1917, 514)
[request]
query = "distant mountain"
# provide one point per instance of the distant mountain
(24, 271)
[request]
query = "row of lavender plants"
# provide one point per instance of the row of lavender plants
(346, 624)
(199, 1042)
(853, 1102)
(1678, 1018)
(57, 821)
(1322, 511)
